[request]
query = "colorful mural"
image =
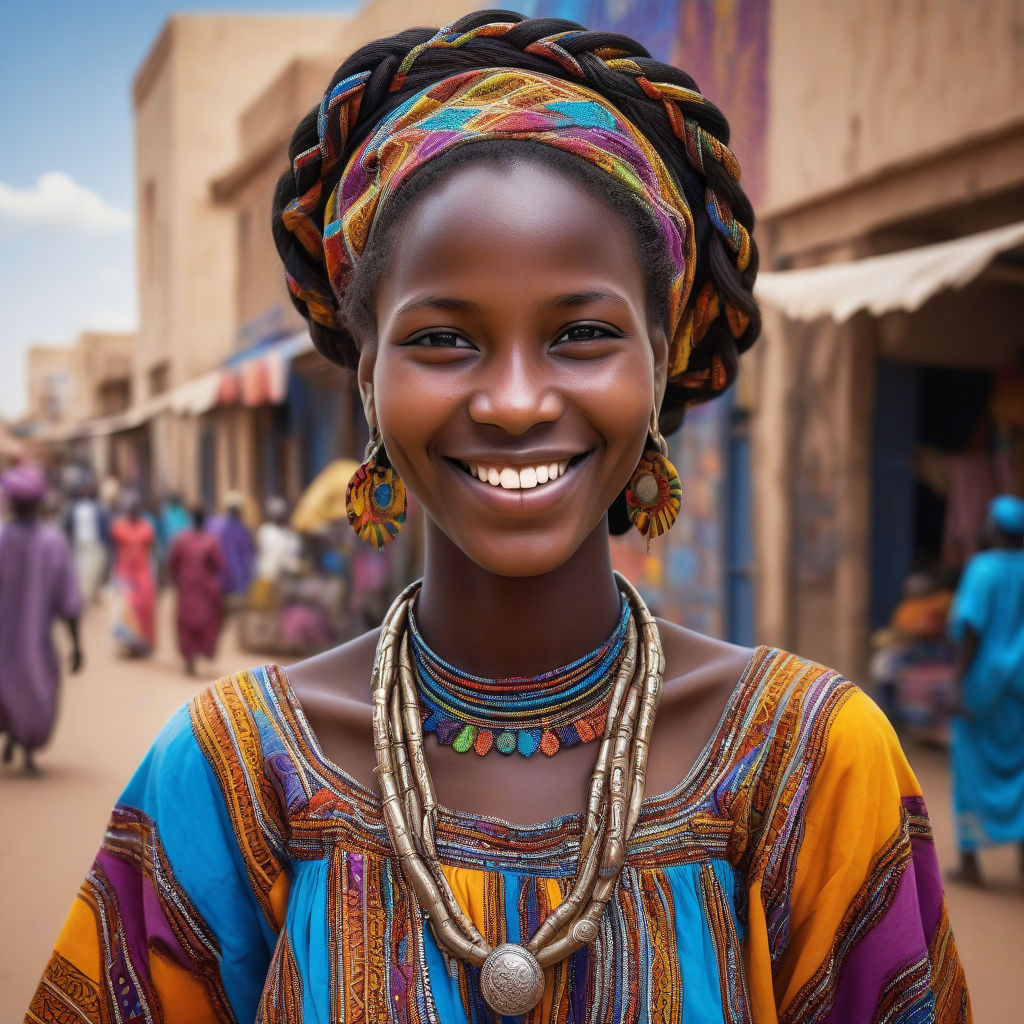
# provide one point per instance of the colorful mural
(723, 44)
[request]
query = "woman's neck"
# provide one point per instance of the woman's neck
(496, 626)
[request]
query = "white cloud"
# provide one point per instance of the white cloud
(58, 201)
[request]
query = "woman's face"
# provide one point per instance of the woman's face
(513, 344)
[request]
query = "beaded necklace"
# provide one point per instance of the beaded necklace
(546, 712)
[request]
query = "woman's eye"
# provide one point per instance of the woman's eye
(585, 332)
(440, 339)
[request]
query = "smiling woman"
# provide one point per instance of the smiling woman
(530, 242)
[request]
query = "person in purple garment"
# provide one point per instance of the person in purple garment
(236, 544)
(37, 585)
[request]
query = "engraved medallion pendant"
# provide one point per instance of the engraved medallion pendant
(511, 980)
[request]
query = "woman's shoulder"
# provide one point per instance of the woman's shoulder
(805, 721)
(757, 688)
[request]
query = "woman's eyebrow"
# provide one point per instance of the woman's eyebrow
(582, 299)
(438, 302)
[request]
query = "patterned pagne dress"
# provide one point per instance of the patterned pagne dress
(790, 877)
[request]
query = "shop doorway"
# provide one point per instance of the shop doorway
(942, 447)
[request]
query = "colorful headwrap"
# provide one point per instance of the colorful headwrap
(25, 483)
(1006, 513)
(496, 103)
(505, 103)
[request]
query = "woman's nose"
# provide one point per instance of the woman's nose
(516, 394)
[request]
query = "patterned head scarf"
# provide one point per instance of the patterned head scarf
(505, 103)
(331, 219)
(25, 483)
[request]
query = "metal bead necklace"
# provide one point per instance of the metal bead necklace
(524, 714)
(511, 979)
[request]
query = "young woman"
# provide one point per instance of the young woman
(530, 241)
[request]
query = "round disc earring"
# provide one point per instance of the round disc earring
(375, 499)
(654, 493)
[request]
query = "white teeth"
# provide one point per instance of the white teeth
(518, 479)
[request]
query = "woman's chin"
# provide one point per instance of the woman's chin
(520, 555)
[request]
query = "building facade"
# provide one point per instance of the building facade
(879, 433)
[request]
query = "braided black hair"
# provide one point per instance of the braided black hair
(658, 99)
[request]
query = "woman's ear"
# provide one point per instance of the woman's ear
(364, 377)
(659, 348)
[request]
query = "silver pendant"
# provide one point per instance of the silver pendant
(511, 980)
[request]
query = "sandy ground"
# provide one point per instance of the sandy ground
(52, 826)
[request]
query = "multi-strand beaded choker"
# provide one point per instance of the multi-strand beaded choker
(556, 709)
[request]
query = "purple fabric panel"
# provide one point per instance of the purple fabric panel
(142, 917)
(928, 876)
(897, 940)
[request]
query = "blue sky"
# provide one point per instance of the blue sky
(67, 249)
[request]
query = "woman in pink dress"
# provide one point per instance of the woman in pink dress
(196, 566)
(135, 608)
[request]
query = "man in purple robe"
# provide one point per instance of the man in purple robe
(37, 585)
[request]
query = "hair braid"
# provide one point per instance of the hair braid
(664, 103)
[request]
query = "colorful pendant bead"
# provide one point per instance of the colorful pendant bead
(375, 501)
(519, 714)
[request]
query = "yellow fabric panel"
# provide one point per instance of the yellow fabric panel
(182, 997)
(757, 961)
(78, 940)
(279, 899)
(853, 809)
(469, 888)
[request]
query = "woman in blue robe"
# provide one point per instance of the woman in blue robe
(987, 749)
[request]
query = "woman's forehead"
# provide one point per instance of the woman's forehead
(514, 224)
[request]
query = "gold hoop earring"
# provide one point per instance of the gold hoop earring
(375, 498)
(654, 493)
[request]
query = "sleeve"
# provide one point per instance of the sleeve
(850, 904)
(973, 597)
(168, 925)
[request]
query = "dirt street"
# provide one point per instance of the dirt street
(52, 826)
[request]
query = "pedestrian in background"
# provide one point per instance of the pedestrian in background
(37, 585)
(278, 546)
(196, 567)
(236, 544)
(988, 732)
(174, 518)
(134, 584)
(88, 528)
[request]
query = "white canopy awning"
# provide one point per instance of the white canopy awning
(883, 284)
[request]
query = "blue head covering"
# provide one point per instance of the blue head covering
(1006, 513)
